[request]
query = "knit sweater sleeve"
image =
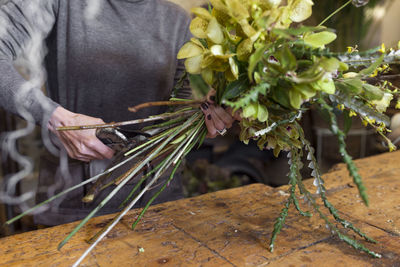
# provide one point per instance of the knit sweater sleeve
(184, 90)
(24, 26)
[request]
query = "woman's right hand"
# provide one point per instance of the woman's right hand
(82, 144)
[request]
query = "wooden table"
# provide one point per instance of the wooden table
(232, 228)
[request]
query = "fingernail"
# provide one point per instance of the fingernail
(209, 117)
(212, 98)
(204, 106)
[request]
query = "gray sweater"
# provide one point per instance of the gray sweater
(97, 69)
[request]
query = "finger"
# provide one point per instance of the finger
(218, 123)
(224, 116)
(85, 150)
(89, 146)
(211, 96)
(84, 159)
(101, 149)
(212, 131)
(74, 154)
(235, 115)
(69, 147)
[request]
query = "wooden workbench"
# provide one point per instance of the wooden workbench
(232, 228)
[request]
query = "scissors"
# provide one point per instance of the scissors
(120, 139)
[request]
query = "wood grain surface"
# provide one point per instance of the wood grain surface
(232, 228)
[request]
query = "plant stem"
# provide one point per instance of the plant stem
(89, 180)
(123, 123)
(335, 12)
(171, 158)
(165, 103)
(343, 152)
(143, 163)
(157, 194)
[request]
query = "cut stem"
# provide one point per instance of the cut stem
(123, 123)
(171, 158)
(143, 163)
(165, 103)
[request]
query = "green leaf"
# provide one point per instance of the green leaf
(198, 84)
(372, 92)
(353, 86)
(293, 32)
(326, 85)
(343, 66)
(235, 88)
(347, 121)
(208, 76)
(250, 97)
(281, 96)
(372, 67)
(295, 99)
(287, 59)
(330, 64)
(305, 90)
(320, 39)
(255, 58)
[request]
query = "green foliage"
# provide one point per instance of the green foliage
(280, 221)
(342, 149)
(271, 73)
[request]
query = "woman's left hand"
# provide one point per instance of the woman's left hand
(217, 119)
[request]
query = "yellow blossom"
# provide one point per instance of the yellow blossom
(374, 74)
(364, 122)
(351, 49)
(398, 104)
(391, 146)
(352, 113)
(382, 49)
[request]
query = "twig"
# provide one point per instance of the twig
(123, 123)
(165, 103)
(382, 77)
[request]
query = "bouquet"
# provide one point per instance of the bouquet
(268, 67)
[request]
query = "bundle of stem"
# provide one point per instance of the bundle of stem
(177, 136)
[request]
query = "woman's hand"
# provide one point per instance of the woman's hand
(83, 144)
(217, 119)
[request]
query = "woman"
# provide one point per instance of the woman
(96, 68)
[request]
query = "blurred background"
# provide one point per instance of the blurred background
(225, 162)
